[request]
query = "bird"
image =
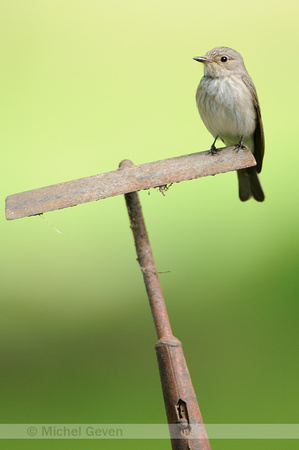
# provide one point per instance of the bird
(228, 104)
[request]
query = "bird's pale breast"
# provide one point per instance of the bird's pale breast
(226, 108)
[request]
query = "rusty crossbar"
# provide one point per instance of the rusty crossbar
(133, 178)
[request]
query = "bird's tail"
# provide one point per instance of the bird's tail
(249, 185)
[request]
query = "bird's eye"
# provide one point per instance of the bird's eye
(223, 59)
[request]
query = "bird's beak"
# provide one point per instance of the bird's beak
(202, 59)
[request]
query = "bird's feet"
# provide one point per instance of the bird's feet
(240, 146)
(213, 150)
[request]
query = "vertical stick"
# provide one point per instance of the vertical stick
(186, 426)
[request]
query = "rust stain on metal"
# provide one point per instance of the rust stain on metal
(133, 178)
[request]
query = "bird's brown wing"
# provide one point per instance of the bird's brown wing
(259, 140)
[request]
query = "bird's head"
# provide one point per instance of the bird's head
(221, 61)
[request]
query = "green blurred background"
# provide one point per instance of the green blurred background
(85, 84)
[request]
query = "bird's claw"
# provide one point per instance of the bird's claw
(240, 146)
(213, 150)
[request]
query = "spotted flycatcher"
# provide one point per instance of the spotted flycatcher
(228, 105)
